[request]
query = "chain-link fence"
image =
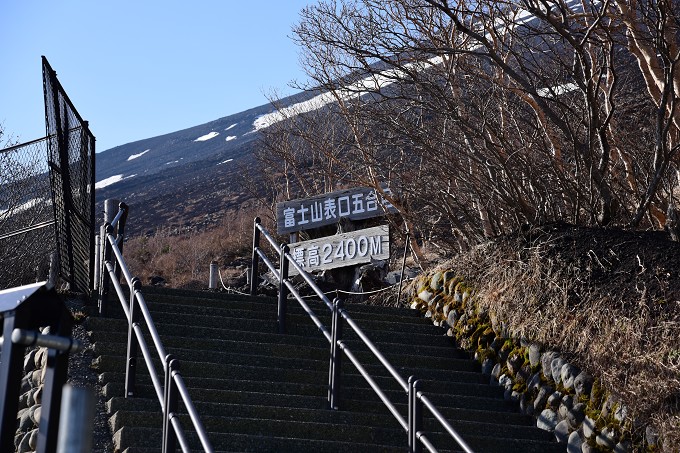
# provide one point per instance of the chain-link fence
(71, 160)
(26, 214)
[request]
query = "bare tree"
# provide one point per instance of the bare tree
(5, 140)
(652, 32)
(487, 115)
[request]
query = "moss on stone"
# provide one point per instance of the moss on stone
(520, 386)
(486, 353)
(596, 394)
(509, 345)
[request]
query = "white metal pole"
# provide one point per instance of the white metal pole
(75, 420)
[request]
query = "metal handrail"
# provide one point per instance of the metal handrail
(114, 264)
(417, 399)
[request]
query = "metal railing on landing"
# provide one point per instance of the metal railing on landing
(417, 400)
(168, 391)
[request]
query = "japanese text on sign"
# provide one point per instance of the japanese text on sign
(346, 249)
(354, 204)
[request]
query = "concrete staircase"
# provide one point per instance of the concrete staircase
(257, 390)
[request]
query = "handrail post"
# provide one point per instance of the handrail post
(335, 366)
(255, 260)
(120, 235)
(102, 260)
(410, 413)
(104, 286)
(169, 405)
(97, 262)
(283, 289)
(415, 416)
(132, 345)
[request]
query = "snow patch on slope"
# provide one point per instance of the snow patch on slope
(359, 88)
(208, 136)
(22, 207)
(231, 137)
(233, 125)
(135, 156)
(111, 180)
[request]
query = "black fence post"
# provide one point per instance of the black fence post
(11, 367)
(335, 367)
(132, 346)
(255, 260)
(169, 405)
(283, 289)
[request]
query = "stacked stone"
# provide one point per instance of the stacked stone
(30, 401)
(564, 399)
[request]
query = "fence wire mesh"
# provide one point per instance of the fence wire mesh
(26, 214)
(71, 160)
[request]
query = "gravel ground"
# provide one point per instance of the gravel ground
(81, 374)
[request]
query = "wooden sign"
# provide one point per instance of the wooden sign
(307, 213)
(345, 249)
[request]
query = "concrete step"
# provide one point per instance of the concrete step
(273, 437)
(336, 425)
(267, 322)
(278, 345)
(138, 439)
(210, 298)
(398, 356)
(278, 355)
(226, 328)
(263, 377)
(297, 428)
(253, 369)
(103, 332)
(259, 310)
(447, 404)
(141, 404)
(114, 386)
(206, 390)
(268, 413)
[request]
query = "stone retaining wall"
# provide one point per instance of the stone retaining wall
(30, 401)
(565, 400)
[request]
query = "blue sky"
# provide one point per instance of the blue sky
(137, 69)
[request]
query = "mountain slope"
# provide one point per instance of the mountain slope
(180, 177)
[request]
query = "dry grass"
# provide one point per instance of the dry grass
(633, 346)
(183, 257)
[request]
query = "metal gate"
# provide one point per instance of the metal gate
(70, 147)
